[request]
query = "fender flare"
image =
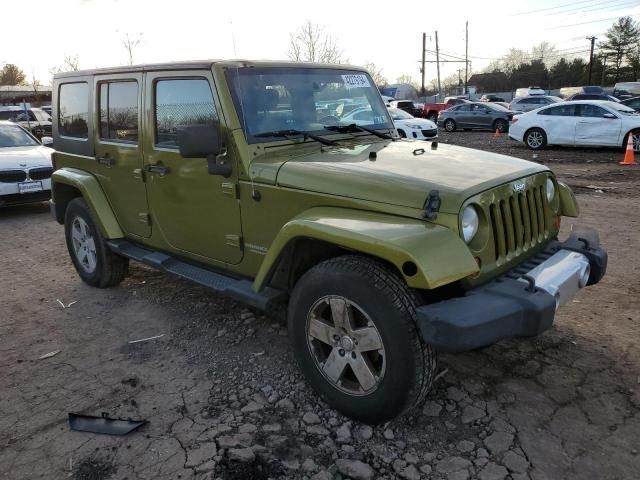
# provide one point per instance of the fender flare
(91, 192)
(568, 203)
(437, 253)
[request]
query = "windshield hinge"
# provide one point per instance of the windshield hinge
(432, 205)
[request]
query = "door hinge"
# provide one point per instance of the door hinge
(233, 240)
(145, 218)
(229, 189)
(138, 174)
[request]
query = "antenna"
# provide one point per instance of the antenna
(233, 40)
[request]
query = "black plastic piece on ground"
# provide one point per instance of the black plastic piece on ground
(103, 424)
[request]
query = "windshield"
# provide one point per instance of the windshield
(14, 136)
(304, 99)
(398, 114)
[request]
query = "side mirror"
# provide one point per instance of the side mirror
(47, 141)
(609, 115)
(198, 141)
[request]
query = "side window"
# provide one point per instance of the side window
(73, 106)
(559, 111)
(463, 108)
(586, 110)
(181, 102)
(119, 111)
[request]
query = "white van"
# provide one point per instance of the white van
(525, 92)
(624, 90)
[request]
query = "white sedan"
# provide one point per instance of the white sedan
(409, 126)
(588, 123)
(25, 166)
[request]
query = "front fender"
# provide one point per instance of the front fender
(64, 180)
(440, 256)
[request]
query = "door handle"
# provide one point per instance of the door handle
(158, 168)
(106, 160)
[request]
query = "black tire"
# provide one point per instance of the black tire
(376, 289)
(636, 140)
(109, 269)
(402, 134)
(501, 125)
(450, 125)
(433, 116)
(535, 139)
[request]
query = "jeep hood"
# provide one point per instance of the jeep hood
(402, 173)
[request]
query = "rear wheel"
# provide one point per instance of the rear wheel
(352, 329)
(535, 139)
(635, 135)
(501, 125)
(96, 264)
(433, 116)
(450, 125)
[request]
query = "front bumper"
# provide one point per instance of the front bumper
(521, 303)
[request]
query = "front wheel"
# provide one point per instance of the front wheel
(96, 264)
(635, 135)
(535, 139)
(352, 330)
(433, 116)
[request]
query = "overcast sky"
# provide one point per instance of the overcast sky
(390, 35)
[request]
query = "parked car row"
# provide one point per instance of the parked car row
(35, 119)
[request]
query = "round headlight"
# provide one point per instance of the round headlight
(551, 190)
(469, 223)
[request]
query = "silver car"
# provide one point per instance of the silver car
(526, 104)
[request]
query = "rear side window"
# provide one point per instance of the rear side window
(586, 110)
(119, 111)
(181, 102)
(559, 111)
(73, 110)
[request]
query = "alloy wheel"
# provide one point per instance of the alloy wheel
(345, 345)
(84, 245)
(535, 140)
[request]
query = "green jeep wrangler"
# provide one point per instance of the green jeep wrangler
(286, 184)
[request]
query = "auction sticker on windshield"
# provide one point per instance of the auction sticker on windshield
(356, 81)
(27, 187)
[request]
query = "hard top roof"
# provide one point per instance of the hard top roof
(201, 64)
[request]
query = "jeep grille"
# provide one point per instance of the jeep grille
(519, 222)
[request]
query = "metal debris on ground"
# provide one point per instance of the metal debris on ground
(146, 339)
(49, 355)
(103, 424)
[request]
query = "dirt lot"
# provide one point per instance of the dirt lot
(224, 399)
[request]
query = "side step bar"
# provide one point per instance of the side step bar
(238, 289)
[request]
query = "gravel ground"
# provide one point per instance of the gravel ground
(225, 400)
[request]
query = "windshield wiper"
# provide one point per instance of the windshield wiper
(293, 132)
(357, 128)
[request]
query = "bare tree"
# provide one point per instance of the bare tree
(69, 64)
(35, 85)
(130, 44)
(376, 73)
(310, 43)
(409, 80)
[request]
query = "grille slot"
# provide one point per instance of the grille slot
(40, 173)
(518, 222)
(12, 176)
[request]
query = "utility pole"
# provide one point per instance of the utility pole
(438, 67)
(424, 50)
(593, 40)
(466, 56)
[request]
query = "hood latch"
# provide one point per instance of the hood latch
(432, 205)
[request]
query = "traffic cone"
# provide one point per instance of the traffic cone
(628, 155)
(497, 134)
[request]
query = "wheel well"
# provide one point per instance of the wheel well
(302, 254)
(62, 195)
(533, 128)
(401, 132)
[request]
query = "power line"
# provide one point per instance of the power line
(592, 21)
(552, 8)
(578, 11)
